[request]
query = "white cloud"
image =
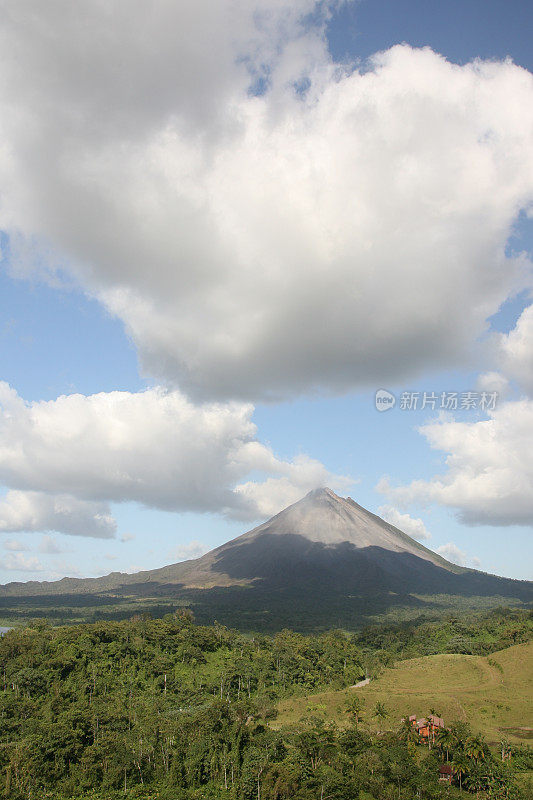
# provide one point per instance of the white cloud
(15, 546)
(412, 526)
(452, 553)
(18, 562)
(66, 459)
(127, 537)
(38, 511)
(184, 552)
(63, 569)
(490, 382)
(489, 475)
(49, 546)
(516, 350)
(200, 56)
(262, 246)
(297, 477)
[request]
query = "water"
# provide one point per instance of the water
(3, 630)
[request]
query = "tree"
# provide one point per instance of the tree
(445, 741)
(476, 749)
(84, 709)
(505, 749)
(317, 743)
(461, 731)
(380, 712)
(354, 707)
(461, 765)
(408, 732)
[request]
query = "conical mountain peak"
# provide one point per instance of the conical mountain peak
(326, 518)
(322, 492)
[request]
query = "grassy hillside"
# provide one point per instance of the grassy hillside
(494, 693)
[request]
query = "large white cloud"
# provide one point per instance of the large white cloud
(256, 246)
(65, 460)
(143, 64)
(37, 511)
(489, 468)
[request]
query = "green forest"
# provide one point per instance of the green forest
(165, 708)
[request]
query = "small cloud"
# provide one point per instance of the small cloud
(493, 382)
(15, 546)
(412, 526)
(18, 562)
(452, 553)
(49, 546)
(65, 570)
(127, 537)
(383, 486)
(110, 557)
(184, 552)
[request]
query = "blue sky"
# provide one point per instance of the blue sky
(97, 325)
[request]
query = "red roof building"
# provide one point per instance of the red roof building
(427, 728)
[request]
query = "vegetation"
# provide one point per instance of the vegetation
(169, 709)
(310, 609)
(472, 635)
(459, 687)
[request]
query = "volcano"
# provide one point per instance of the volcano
(324, 561)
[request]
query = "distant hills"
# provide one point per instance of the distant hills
(323, 562)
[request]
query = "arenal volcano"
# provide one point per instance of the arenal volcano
(322, 562)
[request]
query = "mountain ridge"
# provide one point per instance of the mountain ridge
(322, 557)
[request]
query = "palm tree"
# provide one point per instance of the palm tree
(409, 732)
(380, 712)
(461, 766)
(432, 713)
(446, 741)
(505, 748)
(476, 749)
(354, 707)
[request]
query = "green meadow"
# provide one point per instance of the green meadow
(494, 693)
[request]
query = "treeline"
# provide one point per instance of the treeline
(478, 634)
(169, 709)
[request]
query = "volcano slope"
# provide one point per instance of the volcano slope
(323, 562)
